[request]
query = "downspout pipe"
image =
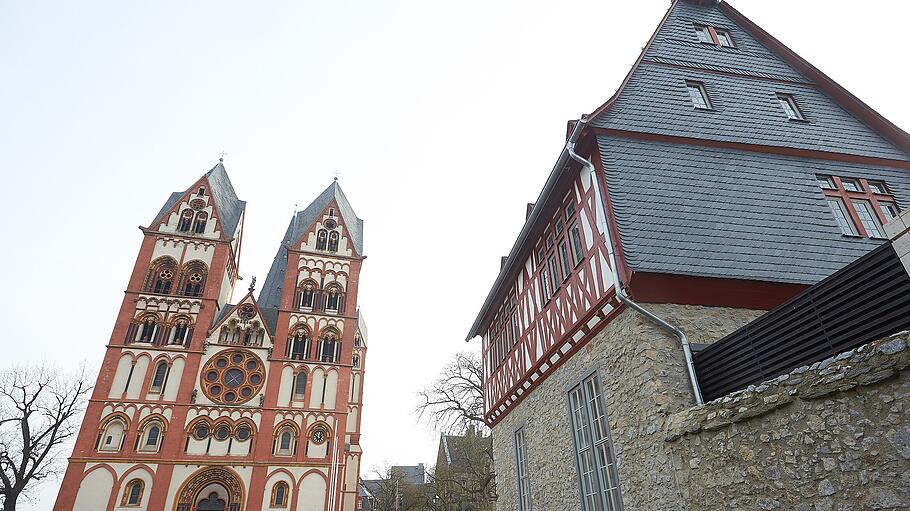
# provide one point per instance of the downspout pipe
(614, 269)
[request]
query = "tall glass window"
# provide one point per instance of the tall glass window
(867, 217)
(524, 482)
(594, 449)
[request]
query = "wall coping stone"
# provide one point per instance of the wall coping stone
(869, 364)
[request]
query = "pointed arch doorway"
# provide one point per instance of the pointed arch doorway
(211, 489)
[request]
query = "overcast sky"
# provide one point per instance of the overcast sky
(443, 119)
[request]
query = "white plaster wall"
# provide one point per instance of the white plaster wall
(318, 384)
(311, 496)
(270, 483)
(352, 468)
(355, 388)
(352, 421)
(94, 491)
(138, 379)
(173, 380)
(286, 386)
(120, 375)
(200, 252)
(331, 389)
(164, 247)
(143, 503)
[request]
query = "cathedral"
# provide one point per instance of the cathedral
(204, 405)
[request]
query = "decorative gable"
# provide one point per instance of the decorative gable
(242, 325)
(328, 234)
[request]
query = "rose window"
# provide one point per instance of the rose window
(197, 204)
(232, 377)
(247, 312)
(166, 274)
(196, 277)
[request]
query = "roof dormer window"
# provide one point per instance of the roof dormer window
(716, 36)
(723, 38)
(698, 95)
(790, 107)
(201, 192)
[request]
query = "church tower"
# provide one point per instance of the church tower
(204, 405)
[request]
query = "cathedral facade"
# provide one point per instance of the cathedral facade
(204, 405)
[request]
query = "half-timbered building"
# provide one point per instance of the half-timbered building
(205, 405)
(724, 176)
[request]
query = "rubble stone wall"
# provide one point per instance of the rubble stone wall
(831, 436)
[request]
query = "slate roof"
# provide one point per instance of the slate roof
(228, 206)
(746, 110)
(705, 211)
(270, 295)
(742, 83)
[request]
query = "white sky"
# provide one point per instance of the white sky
(443, 119)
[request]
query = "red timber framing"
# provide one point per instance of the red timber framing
(543, 318)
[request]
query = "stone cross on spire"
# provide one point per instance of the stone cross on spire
(253, 284)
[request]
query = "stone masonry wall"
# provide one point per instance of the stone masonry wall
(831, 436)
(644, 382)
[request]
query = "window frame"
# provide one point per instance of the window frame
(520, 443)
(713, 35)
(866, 193)
(703, 91)
(597, 472)
(790, 100)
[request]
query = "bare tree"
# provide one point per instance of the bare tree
(454, 401)
(392, 491)
(39, 411)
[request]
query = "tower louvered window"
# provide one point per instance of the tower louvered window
(186, 220)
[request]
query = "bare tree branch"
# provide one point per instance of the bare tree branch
(454, 401)
(39, 412)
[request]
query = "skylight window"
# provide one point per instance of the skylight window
(698, 95)
(790, 107)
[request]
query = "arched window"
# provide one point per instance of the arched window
(333, 241)
(160, 278)
(286, 440)
(334, 298)
(321, 239)
(148, 327)
(306, 294)
(199, 225)
(186, 220)
(330, 347)
(300, 386)
(356, 361)
(192, 278)
(159, 378)
(298, 344)
(181, 331)
(280, 495)
(150, 436)
(132, 495)
(110, 438)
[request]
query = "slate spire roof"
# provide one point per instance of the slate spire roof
(270, 296)
(227, 205)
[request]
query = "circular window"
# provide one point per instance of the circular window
(166, 274)
(247, 311)
(330, 224)
(222, 432)
(233, 377)
(243, 433)
(201, 431)
(195, 277)
(197, 204)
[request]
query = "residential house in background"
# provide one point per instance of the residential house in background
(724, 177)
